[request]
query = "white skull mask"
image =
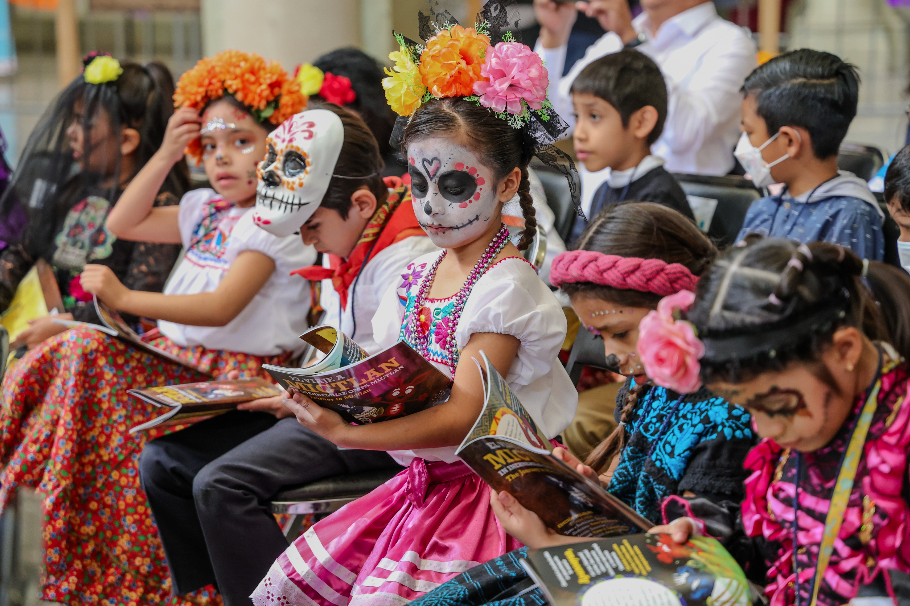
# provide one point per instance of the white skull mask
(295, 174)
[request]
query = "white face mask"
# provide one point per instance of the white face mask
(903, 253)
(750, 157)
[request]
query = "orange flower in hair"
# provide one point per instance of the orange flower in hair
(263, 87)
(451, 62)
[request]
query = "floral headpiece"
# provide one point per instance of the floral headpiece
(485, 65)
(100, 68)
(263, 87)
(332, 88)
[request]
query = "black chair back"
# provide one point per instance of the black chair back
(559, 199)
(587, 350)
(861, 160)
(734, 196)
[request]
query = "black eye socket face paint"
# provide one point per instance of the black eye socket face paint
(778, 402)
(419, 185)
(457, 186)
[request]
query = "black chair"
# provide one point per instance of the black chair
(559, 199)
(587, 350)
(734, 196)
(326, 496)
(861, 160)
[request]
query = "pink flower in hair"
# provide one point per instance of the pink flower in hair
(669, 348)
(512, 72)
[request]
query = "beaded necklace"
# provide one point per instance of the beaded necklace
(422, 342)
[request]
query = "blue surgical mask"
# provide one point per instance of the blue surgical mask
(903, 253)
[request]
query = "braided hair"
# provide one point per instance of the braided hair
(640, 232)
(500, 146)
(772, 287)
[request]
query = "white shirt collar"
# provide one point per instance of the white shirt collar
(689, 22)
(621, 178)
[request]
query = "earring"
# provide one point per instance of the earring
(849, 367)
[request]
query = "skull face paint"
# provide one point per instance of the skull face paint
(298, 166)
(454, 194)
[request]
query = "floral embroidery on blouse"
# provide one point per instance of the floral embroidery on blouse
(210, 238)
(435, 317)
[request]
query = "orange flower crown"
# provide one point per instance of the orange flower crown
(263, 87)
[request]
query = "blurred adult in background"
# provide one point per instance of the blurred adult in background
(704, 59)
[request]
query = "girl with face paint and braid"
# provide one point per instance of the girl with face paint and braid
(626, 260)
(479, 294)
(813, 342)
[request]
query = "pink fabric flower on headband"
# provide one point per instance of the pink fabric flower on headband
(515, 72)
(669, 348)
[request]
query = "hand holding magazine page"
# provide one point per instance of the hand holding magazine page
(506, 450)
(116, 326)
(642, 569)
(200, 400)
(392, 383)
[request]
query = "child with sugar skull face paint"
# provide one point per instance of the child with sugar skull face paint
(230, 305)
(434, 519)
(813, 342)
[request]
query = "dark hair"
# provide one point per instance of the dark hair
(500, 146)
(359, 156)
(772, 286)
(897, 179)
(627, 80)
(140, 98)
(811, 89)
(648, 231)
(365, 74)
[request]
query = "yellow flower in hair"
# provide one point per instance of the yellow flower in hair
(403, 87)
(310, 78)
(102, 69)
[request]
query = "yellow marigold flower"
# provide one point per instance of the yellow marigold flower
(102, 69)
(310, 78)
(403, 88)
(451, 62)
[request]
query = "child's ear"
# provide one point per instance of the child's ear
(796, 140)
(364, 203)
(129, 141)
(847, 347)
(509, 186)
(643, 121)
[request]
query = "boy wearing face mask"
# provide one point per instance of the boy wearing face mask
(796, 111)
(897, 195)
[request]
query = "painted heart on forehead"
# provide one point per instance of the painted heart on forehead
(295, 175)
(453, 192)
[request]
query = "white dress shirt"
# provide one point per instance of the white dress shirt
(705, 60)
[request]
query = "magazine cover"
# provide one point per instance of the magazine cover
(118, 328)
(506, 450)
(392, 383)
(192, 400)
(640, 569)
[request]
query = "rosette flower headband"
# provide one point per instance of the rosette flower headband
(486, 65)
(334, 89)
(100, 68)
(263, 87)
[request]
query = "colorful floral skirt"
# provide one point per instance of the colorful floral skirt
(423, 527)
(65, 424)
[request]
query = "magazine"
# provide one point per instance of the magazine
(36, 296)
(392, 383)
(116, 326)
(200, 400)
(506, 450)
(640, 569)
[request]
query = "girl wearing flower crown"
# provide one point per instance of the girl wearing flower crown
(667, 443)
(231, 304)
(813, 342)
(433, 520)
(99, 132)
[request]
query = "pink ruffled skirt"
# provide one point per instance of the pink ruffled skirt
(426, 525)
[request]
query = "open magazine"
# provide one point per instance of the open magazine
(640, 569)
(200, 400)
(116, 326)
(507, 451)
(392, 383)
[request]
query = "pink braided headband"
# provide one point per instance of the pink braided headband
(626, 273)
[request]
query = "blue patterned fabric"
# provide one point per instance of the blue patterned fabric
(845, 220)
(675, 444)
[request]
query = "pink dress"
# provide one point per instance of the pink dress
(433, 521)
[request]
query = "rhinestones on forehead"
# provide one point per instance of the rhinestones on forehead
(216, 124)
(606, 313)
